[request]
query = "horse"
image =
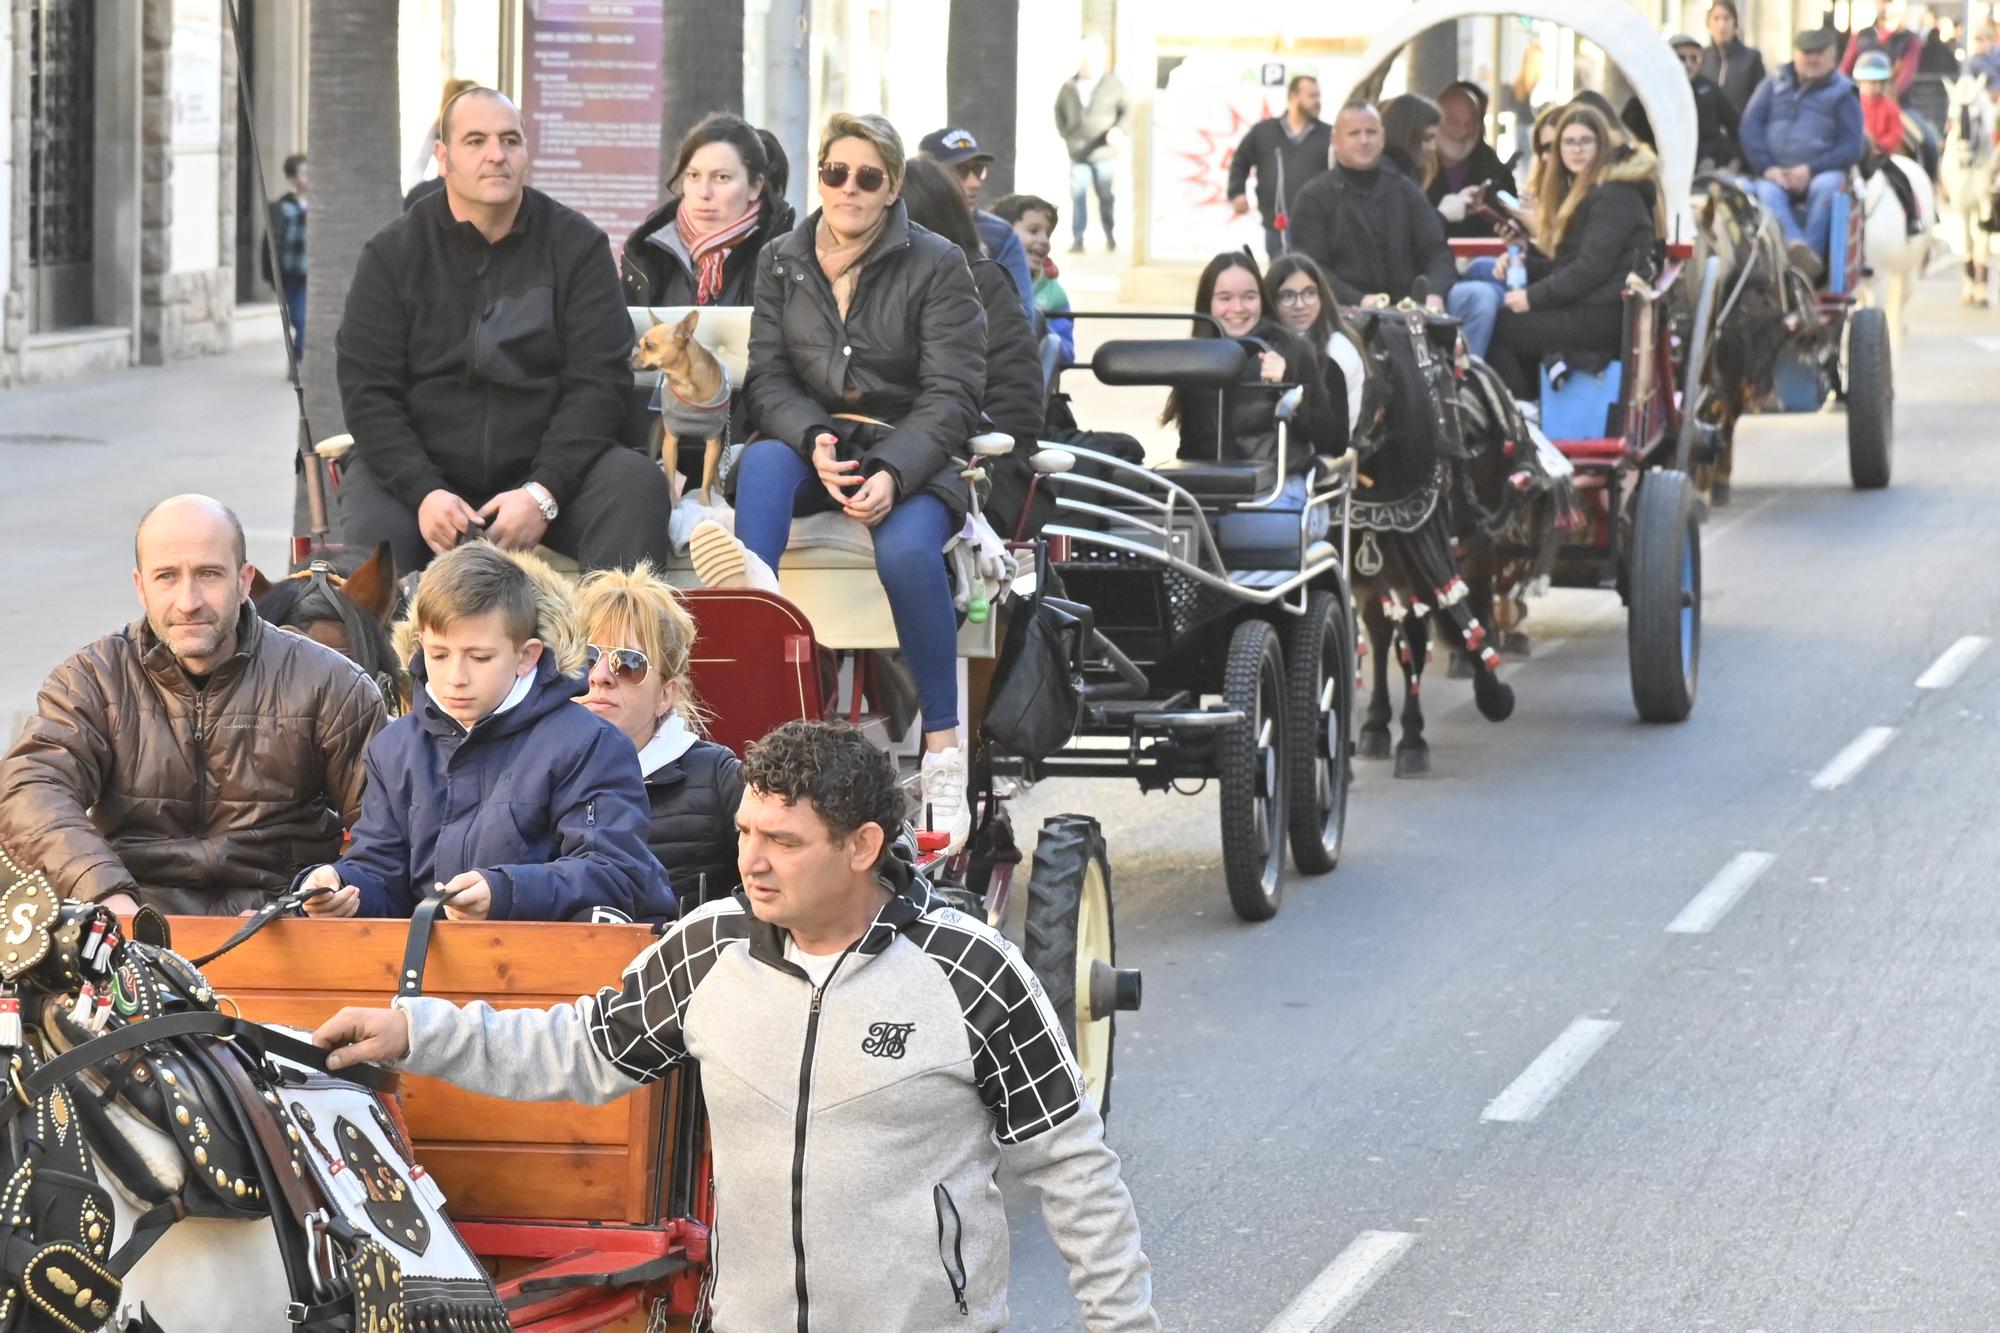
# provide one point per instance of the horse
(349, 613)
(173, 1168)
(1404, 569)
(1970, 173)
(1895, 246)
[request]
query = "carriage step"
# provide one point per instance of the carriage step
(1111, 712)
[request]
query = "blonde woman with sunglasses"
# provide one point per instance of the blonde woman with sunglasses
(867, 365)
(638, 638)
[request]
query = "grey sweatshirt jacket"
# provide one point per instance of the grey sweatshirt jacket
(856, 1129)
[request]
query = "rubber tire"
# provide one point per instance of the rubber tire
(1871, 399)
(1695, 353)
(1313, 641)
(1666, 537)
(1064, 853)
(1253, 850)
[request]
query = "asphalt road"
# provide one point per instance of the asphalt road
(1782, 1122)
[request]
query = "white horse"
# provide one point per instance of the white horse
(1895, 258)
(1971, 171)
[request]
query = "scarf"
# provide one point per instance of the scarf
(710, 252)
(842, 263)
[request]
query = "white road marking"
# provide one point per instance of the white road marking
(1854, 758)
(1985, 343)
(1723, 892)
(1944, 672)
(1527, 1096)
(1342, 1283)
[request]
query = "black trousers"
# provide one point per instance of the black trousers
(1520, 341)
(617, 519)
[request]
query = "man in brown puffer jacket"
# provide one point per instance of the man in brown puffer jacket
(196, 759)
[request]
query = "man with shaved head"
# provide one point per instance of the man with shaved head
(198, 758)
(482, 361)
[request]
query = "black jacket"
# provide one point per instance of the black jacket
(693, 826)
(1015, 400)
(1483, 167)
(476, 368)
(1715, 124)
(911, 352)
(1085, 128)
(1372, 231)
(1736, 67)
(1275, 155)
(1249, 431)
(656, 275)
(1610, 235)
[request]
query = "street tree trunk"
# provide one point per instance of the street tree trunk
(701, 49)
(981, 66)
(352, 133)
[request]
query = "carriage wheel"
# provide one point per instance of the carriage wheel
(1694, 384)
(1664, 631)
(1071, 945)
(1251, 768)
(1871, 399)
(1319, 660)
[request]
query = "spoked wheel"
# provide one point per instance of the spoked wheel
(1319, 660)
(1871, 399)
(1072, 945)
(1664, 633)
(1252, 771)
(1694, 355)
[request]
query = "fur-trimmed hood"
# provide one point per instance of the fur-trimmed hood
(555, 621)
(1632, 163)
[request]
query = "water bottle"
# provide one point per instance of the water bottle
(1517, 269)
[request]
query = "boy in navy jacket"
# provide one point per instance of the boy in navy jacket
(494, 786)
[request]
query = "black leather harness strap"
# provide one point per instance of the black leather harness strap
(268, 1041)
(417, 946)
(283, 905)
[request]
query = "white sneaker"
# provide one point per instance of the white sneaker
(942, 805)
(721, 560)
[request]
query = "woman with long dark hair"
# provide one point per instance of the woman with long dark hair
(701, 246)
(1409, 136)
(1305, 306)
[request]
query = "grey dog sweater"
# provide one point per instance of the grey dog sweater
(856, 1128)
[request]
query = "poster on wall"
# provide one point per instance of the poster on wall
(1205, 103)
(590, 95)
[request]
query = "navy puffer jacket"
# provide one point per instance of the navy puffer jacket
(544, 799)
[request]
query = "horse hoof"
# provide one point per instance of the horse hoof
(1516, 643)
(1495, 698)
(1460, 666)
(1718, 493)
(1413, 761)
(1373, 744)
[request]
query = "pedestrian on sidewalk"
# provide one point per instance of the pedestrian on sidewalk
(871, 1059)
(1285, 152)
(288, 239)
(1094, 117)
(195, 759)
(483, 370)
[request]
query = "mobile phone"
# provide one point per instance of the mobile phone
(1508, 200)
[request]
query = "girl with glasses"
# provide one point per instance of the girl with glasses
(639, 637)
(867, 362)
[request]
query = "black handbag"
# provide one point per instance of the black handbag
(1036, 702)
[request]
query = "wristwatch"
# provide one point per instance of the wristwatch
(543, 500)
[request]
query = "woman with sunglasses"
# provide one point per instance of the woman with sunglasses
(867, 363)
(639, 637)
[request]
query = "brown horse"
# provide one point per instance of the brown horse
(349, 613)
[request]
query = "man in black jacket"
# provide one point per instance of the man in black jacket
(483, 365)
(1368, 225)
(1286, 152)
(1715, 115)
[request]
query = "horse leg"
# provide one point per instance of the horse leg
(1413, 754)
(1373, 742)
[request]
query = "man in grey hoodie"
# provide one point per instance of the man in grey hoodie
(869, 1057)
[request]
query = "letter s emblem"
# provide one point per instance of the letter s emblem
(23, 917)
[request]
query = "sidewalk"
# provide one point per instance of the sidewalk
(83, 459)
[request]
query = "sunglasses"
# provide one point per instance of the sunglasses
(628, 665)
(867, 179)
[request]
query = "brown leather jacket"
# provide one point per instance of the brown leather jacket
(129, 779)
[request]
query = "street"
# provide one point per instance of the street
(1602, 1026)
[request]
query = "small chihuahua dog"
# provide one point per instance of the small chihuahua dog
(695, 390)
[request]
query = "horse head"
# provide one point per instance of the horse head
(347, 612)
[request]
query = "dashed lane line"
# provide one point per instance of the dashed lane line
(1342, 1283)
(1529, 1095)
(1722, 893)
(1952, 663)
(1841, 769)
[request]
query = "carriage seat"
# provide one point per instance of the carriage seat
(1170, 363)
(1581, 407)
(1221, 483)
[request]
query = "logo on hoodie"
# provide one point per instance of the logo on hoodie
(888, 1040)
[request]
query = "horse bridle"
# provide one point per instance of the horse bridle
(323, 600)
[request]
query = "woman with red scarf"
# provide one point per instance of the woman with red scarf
(700, 247)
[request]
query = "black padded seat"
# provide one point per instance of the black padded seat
(1181, 363)
(1218, 484)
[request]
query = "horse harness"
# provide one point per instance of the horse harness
(323, 600)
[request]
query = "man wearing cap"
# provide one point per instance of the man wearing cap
(1801, 135)
(1714, 113)
(960, 154)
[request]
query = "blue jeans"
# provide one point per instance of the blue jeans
(1475, 300)
(295, 305)
(773, 484)
(1082, 177)
(1820, 193)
